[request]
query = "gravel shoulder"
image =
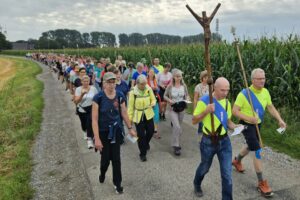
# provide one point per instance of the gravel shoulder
(65, 169)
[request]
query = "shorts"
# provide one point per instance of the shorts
(251, 136)
(161, 94)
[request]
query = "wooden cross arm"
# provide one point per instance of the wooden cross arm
(198, 18)
(214, 12)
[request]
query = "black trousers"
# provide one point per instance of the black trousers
(145, 130)
(111, 152)
(86, 123)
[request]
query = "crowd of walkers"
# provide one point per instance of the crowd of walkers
(109, 97)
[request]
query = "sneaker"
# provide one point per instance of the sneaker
(264, 188)
(90, 143)
(238, 165)
(198, 191)
(163, 117)
(143, 158)
(84, 136)
(119, 189)
(177, 151)
(101, 178)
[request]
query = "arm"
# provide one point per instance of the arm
(196, 97)
(236, 111)
(152, 98)
(167, 95)
(210, 108)
(98, 143)
(130, 106)
(273, 111)
(126, 119)
(231, 125)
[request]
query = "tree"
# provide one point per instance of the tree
(86, 38)
(4, 44)
(137, 39)
(123, 40)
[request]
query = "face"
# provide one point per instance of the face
(118, 76)
(204, 79)
(156, 61)
(82, 73)
(151, 73)
(259, 80)
(167, 69)
(178, 77)
(85, 82)
(140, 68)
(141, 86)
(110, 84)
(221, 91)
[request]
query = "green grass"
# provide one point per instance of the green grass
(21, 115)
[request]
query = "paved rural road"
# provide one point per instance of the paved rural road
(65, 169)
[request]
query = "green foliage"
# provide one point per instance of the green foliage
(21, 114)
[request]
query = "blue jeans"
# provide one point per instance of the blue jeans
(224, 152)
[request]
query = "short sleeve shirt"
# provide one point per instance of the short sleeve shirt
(136, 74)
(262, 95)
(164, 79)
(201, 106)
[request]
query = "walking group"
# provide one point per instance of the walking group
(112, 98)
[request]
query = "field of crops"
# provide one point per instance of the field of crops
(279, 58)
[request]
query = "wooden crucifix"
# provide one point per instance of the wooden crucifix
(205, 23)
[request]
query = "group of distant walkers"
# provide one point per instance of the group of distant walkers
(108, 96)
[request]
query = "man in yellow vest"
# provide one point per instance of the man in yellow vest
(221, 108)
(261, 100)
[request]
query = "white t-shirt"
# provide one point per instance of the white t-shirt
(87, 99)
(177, 93)
(201, 89)
(164, 79)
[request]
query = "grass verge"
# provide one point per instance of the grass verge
(21, 115)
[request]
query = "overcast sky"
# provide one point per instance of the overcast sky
(25, 19)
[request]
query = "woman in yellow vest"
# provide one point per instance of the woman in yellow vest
(140, 111)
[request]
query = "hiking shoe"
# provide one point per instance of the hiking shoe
(143, 158)
(177, 151)
(101, 178)
(264, 188)
(198, 191)
(119, 189)
(238, 165)
(90, 143)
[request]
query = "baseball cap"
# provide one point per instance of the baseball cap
(109, 75)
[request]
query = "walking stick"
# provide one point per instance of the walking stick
(205, 23)
(236, 42)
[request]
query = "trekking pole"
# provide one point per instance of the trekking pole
(236, 42)
(205, 23)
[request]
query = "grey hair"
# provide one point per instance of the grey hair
(139, 64)
(123, 62)
(255, 71)
(141, 79)
(85, 77)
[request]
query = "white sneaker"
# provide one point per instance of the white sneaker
(90, 143)
(84, 136)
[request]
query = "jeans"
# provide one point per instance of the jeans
(224, 152)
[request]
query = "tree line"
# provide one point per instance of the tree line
(68, 38)
(4, 44)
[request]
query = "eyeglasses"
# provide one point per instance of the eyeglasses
(260, 79)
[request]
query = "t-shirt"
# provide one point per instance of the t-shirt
(202, 90)
(262, 95)
(158, 69)
(136, 74)
(130, 74)
(201, 106)
(109, 112)
(87, 99)
(122, 87)
(89, 70)
(97, 73)
(177, 94)
(164, 79)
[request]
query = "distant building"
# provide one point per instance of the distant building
(22, 46)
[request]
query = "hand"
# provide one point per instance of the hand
(253, 120)
(98, 145)
(132, 133)
(172, 102)
(282, 124)
(210, 108)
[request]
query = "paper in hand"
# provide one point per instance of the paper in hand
(280, 130)
(237, 130)
(131, 138)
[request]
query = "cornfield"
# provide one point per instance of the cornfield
(279, 59)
